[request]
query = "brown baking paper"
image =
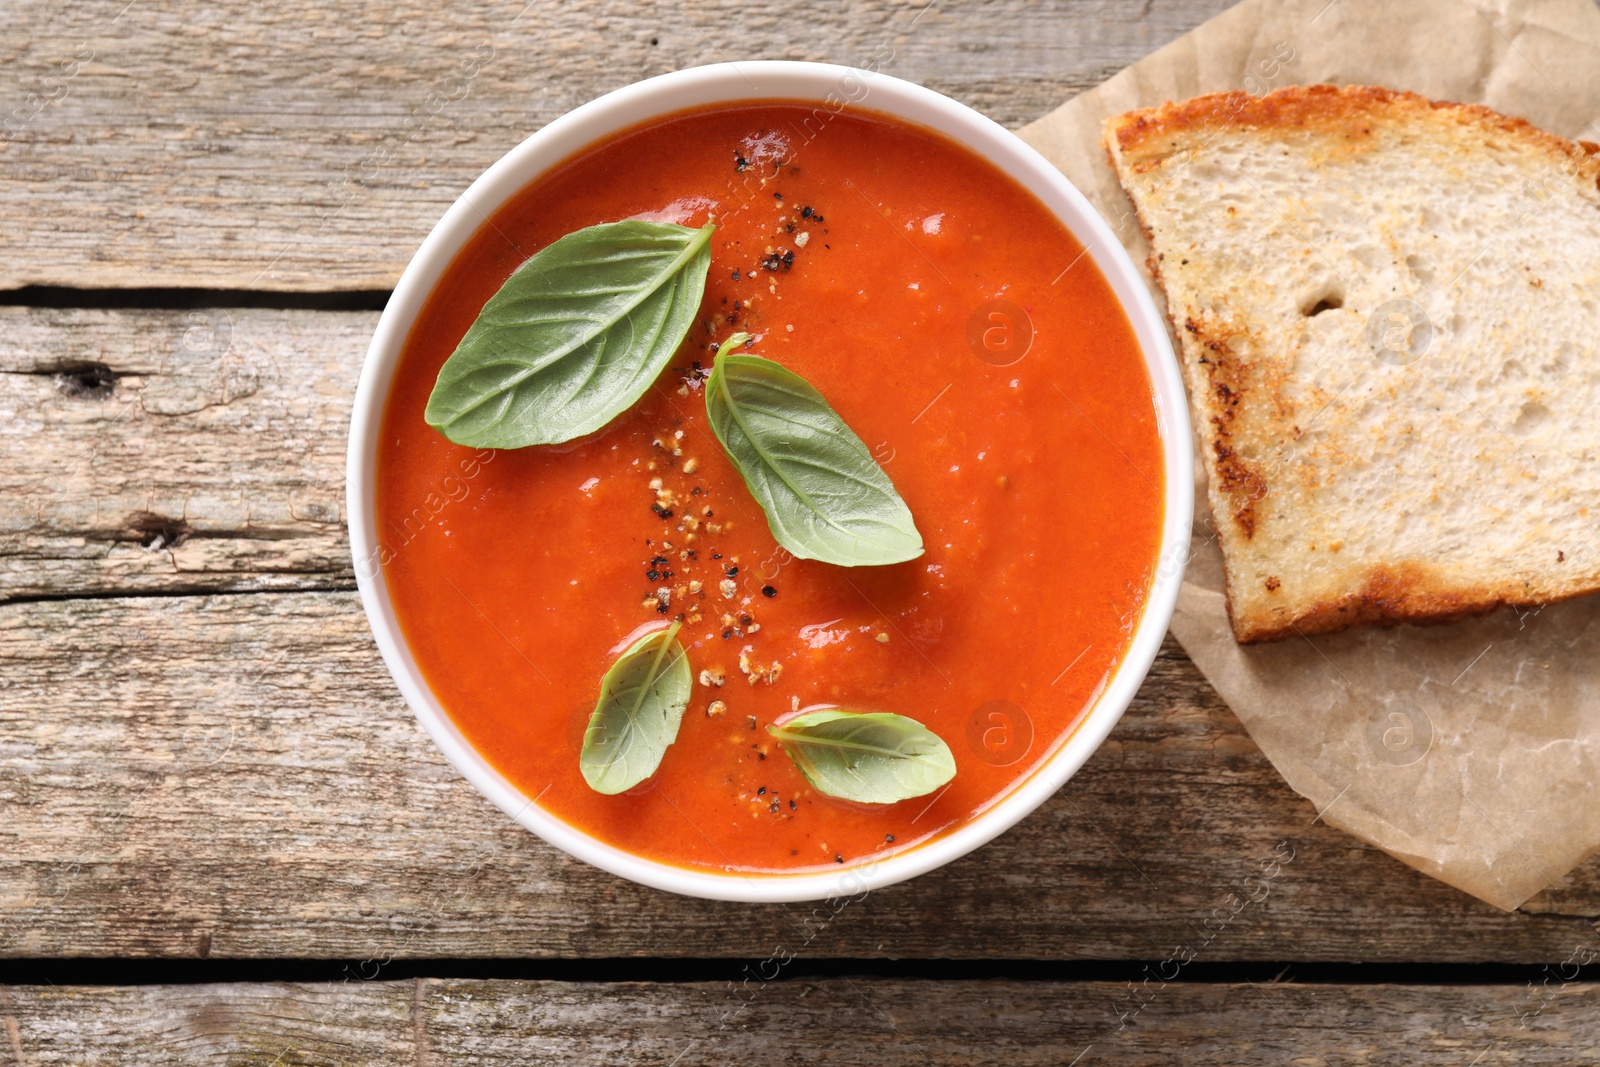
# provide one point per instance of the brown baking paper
(1469, 751)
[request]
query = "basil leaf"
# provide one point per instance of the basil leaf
(574, 337)
(642, 698)
(869, 757)
(824, 495)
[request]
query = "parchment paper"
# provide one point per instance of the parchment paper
(1470, 751)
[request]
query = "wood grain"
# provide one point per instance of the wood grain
(235, 776)
(174, 451)
(293, 145)
(255, 1024)
(840, 1021)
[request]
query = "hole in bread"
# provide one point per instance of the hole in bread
(1532, 416)
(1325, 297)
(1560, 364)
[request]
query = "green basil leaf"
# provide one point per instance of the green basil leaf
(825, 497)
(869, 757)
(574, 337)
(642, 698)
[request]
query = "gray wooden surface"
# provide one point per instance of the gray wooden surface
(201, 756)
(307, 146)
(234, 776)
(846, 1021)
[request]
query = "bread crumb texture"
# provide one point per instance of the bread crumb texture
(1389, 317)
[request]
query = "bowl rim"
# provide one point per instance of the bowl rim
(835, 87)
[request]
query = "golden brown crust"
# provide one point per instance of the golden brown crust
(1225, 379)
(1343, 110)
(1239, 474)
(1389, 597)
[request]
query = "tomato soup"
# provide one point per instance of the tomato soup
(956, 325)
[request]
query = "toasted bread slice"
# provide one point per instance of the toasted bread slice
(1389, 315)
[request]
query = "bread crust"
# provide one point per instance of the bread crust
(1405, 594)
(1221, 382)
(1143, 136)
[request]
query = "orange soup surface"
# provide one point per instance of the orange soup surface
(956, 326)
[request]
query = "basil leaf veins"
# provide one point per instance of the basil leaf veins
(574, 337)
(825, 497)
(868, 757)
(642, 699)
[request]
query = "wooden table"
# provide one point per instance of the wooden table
(225, 839)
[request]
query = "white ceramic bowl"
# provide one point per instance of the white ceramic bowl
(829, 86)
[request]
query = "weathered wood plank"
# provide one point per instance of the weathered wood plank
(235, 776)
(174, 451)
(839, 1021)
(877, 1022)
(294, 146)
(258, 1024)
